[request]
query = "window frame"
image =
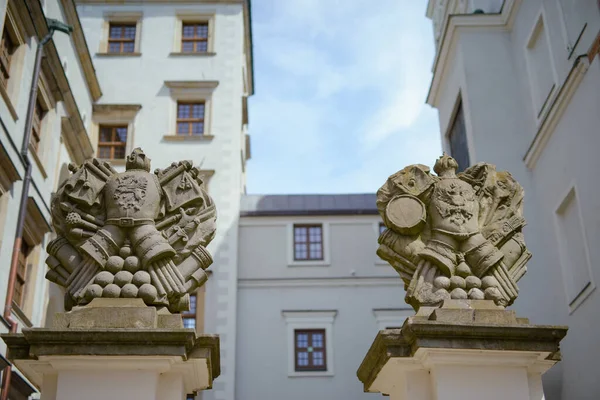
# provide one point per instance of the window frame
(191, 314)
(16, 30)
(309, 349)
(195, 40)
(112, 144)
(310, 320)
(122, 39)
(192, 92)
(191, 121)
(308, 242)
(325, 247)
(25, 251)
(193, 18)
(113, 115)
(121, 18)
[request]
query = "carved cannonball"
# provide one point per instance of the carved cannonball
(463, 270)
(125, 252)
(476, 294)
(129, 291)
(112, 291)
(104, 278)
(114, 264)
(122, 278)
(473, 282)
(148, 293)
(457, 282)
(493, 293)
(489, 282)
(132, 264)
(140, 278)
(441, 282)
(458, 294)
(93, 291)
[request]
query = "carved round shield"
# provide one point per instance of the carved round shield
(405, 214)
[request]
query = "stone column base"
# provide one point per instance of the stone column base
(115, 349)
(465, 349)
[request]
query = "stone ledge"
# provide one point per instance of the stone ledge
(420, 332)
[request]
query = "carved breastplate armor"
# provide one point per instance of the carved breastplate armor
(132, 198)
(454, 208)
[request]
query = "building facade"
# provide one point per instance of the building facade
(312, 295)
(517, 84)
(176, 77)
(67, 87)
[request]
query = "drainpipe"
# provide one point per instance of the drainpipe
(53, 25)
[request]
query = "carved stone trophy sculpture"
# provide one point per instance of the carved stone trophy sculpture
(132, 234)
(454, 236)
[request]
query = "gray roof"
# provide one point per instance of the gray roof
(308, 204)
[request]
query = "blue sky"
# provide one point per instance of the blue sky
(340, 94)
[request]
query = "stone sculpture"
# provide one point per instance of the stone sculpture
(454, 236)
(131, 234)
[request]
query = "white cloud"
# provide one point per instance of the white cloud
(339, 83)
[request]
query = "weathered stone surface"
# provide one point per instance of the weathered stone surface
(488, 330)
(132, 234)
(464, 227)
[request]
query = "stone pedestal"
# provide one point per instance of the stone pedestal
(116, 349)
(463, 350)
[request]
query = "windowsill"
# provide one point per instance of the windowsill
(189, 54)
(310, 263)
(37, 160)
(118, 54)
(21, 316)
(8, 103)
(117, 162)
(188, 138)
(311, 374)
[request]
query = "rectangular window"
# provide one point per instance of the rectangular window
(7, 49)
(112, 142)
(308, 242)
(121, 38)
(24, 252)
(309, 349)
(194, 37)
(189, 317)
(36, 125)
(458, 139)
(190, 118)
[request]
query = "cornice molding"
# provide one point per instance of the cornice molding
(211, 85)
(82, 49)
(446, 50)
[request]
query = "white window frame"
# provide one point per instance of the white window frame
(191, 91)
(192, 17)
(579, 298)
(391, 317)
(309, 320)
(540, 110)
(122, 18)
(325, 262)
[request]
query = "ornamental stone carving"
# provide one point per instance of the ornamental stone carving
(133, 234)
(454, 236)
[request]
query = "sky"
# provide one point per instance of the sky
(340, 88)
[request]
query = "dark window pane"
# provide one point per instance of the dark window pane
(192, 304)
(121, 135)
(202, 31)
(105, 135)
(202, 47)
(198, 111)
(114, 47)
(115, 31)
(129, 32)
(119, 152)
(104, 152)
(197, 128)
(183, 128)
(317, 340)
(188, 31)
(187, 47)
(382, 228)
(128, 47)
(183, 111)
(458, 140)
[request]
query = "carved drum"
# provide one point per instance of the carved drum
(406, 215)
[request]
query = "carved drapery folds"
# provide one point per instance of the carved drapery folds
(133, 234)
(454, 236)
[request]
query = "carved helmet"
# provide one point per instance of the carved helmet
(138, 160)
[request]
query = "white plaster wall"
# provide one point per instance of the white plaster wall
(140, 80)
(52, 154)
(489, 69)
(261, 363)
(265, 248)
